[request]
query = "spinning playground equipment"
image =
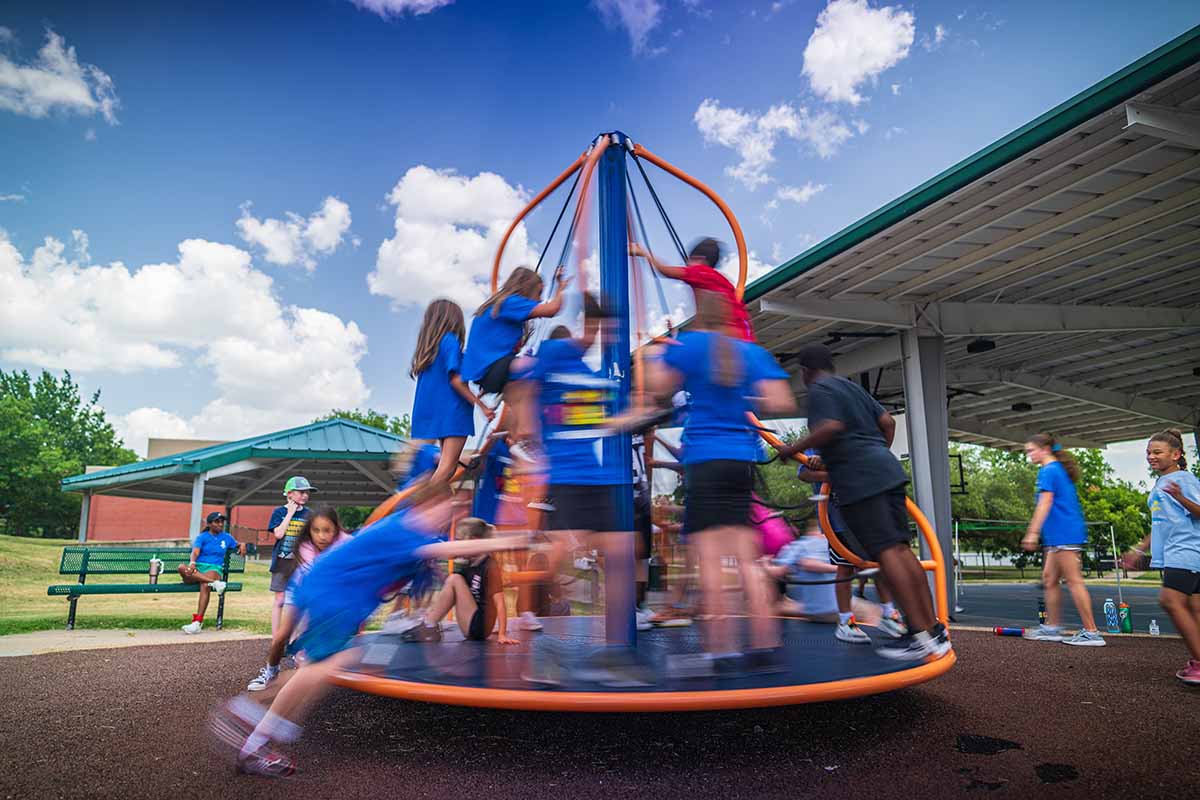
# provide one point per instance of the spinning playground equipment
(485, 674)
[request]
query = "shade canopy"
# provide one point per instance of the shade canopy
(346, 461)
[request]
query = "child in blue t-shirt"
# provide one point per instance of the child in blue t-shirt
(207, 564)
(1058, 521)
(725, 378)
(337, 596)
(499, 326)
(443, 406)
(1174, 542)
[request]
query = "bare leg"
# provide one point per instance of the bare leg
(1070, 564)
(907, 580)
(1050, 578)
(709, 551)
(281, 637)
(1180, 607)
(457, 595)
(203, 604)
(192, 575)
(842, 588)
(764, 629)
(452, 447)
(881, 586)
(308, 685)
(276, 612)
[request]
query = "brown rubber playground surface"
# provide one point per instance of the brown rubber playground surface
(1012, 719)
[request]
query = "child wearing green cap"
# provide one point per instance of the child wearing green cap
(286, 523)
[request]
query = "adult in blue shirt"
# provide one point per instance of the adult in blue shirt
(854, 433)
(726, 378)
(207, 564)
(1058, 520)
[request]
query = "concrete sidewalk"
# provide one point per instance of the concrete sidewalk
(39, 642)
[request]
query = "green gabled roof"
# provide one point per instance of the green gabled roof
(1152, 68)
(335, 439)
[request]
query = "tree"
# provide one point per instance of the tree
(400, 426)
(48, 431)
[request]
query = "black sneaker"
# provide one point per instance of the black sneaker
(267, 763)
(422, 633)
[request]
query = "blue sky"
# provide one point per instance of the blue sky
(300, 148)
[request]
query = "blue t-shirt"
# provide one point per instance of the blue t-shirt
(835, 513)
(575, 403)
(438, 410)
(716, 426)
(495, 335)
(212, 548)
(818, 599)
(1064, 524)
(283, 547)
(491, 482)
(1174, 533)
(859, 461)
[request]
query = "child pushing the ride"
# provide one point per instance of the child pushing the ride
(336, 597)
(701, 274)
(1174, 542)
(443, 406)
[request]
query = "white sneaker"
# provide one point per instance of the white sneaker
(893, 626)
(1045, 633)
(265, 676)
(192, 627)
(528, 621)
(643, 619)
(1086, 639)
(400, 621)
(916, 649)
(217, 586)
(850, 632)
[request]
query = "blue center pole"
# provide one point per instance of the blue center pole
(620, 625)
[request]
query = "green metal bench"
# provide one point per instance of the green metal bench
(85, 561)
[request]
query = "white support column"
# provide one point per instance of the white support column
(85, 508)
(197, 505)
(924, 368)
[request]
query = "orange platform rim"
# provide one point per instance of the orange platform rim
(698, 700)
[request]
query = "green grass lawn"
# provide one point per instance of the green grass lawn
(28, 566)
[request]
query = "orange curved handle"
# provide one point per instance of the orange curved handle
(582, 207)
(542, 195)
(738, 238)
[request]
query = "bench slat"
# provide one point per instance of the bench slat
(76, 589)
(130, 560)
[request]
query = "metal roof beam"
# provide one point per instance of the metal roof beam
(1118, 401)
(1090, 275)
(1015, 436)
(991, 319)
(1164, 122)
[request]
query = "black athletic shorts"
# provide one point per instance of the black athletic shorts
(879, 522)
(480, 626)
(582, 508)
(496, 376)
(1181, 580)
(718, 494)
(643, 524)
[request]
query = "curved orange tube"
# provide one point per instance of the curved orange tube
(581, 209)
(542, 195)
(738, 238)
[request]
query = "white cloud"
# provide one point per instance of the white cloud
(297, 241)
(6, 35)
(56, 81)
(931, 43)
(698, 8)
(800, 194)
(754, 136)
(861, 125)
(12, 198)
(60, 313)
(89, 135)
(398, 8)
(755, 268)
(637, 17)
(893, 131)
(447, 230)
(896, 89)
(854, 43)
(777, 252)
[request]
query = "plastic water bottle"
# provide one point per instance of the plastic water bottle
(1154, 627)
(1111, 621)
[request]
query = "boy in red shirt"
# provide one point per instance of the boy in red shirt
(701, 274)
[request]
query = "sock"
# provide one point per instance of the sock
(271, 727)
(253, 742)
(247, 710)
(197, 618)
(889, 609)
(844, 617)
(274, 668)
